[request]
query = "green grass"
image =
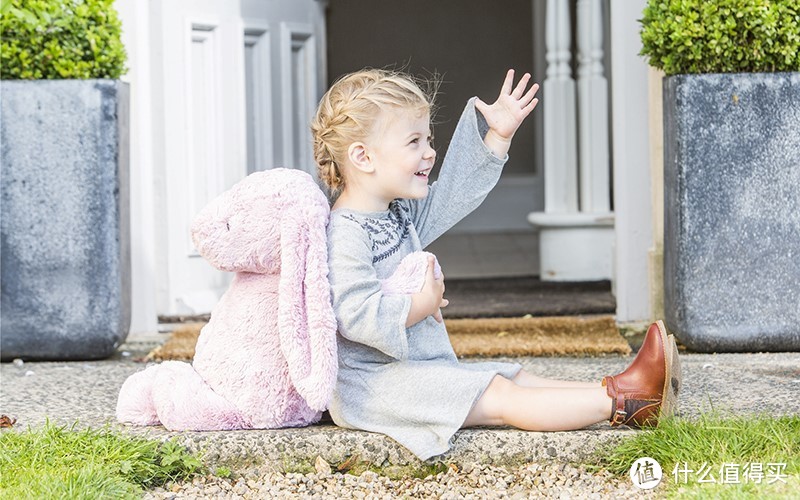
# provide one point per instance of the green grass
(716, 440)
(61, 462)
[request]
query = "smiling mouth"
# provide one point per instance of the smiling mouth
(422, 173)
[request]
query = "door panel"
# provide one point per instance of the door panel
(258, 93)
(300, 94)
(201, 121)
(235, 84)
(288, 71)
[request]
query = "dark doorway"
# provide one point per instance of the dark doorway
(469, 43)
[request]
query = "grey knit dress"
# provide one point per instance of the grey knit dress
(406, 382)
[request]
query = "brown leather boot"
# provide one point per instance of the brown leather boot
(648, 388)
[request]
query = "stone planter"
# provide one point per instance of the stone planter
(732, 211)
(65, 237)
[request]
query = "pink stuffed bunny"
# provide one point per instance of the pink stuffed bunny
(410, 274)
(267, 358)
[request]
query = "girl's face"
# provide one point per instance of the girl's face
(402, 155)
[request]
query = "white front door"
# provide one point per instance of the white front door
(200, 105)
(234, 86)
(285, 76)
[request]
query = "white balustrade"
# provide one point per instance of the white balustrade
(576, 230)
(560, 153)
(593, 110)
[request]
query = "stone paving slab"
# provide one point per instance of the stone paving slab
(86, 392)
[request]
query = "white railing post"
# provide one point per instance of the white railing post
(576, 230)
(593, 108)
(560, 153)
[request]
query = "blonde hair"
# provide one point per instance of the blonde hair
(349, 110)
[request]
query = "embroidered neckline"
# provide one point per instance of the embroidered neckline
(387, 230)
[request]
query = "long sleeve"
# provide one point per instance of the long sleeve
(469, 172)
(363, 313)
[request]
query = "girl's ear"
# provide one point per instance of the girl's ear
(359, 157)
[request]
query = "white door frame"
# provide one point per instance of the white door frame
(631, 153)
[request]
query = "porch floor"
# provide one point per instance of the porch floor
(488, 255)
(497, 275)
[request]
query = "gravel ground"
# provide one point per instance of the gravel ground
(478, 482)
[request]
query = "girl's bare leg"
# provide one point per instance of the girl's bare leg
(525, 379)
(539, 408)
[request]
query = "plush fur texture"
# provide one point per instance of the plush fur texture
(409, 277)
(267, 358)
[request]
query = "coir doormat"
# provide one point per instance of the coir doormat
(523, 336)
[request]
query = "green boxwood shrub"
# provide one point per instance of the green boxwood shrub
(57, 39)
(722, 36)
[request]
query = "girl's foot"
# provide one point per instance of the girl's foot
(648, 388)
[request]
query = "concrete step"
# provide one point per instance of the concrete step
(86, 393)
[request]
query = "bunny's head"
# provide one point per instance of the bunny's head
(241, 230)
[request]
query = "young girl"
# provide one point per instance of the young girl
(398, 374)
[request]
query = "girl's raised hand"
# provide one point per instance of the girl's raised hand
(508, 112)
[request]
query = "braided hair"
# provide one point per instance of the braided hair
(349, 110)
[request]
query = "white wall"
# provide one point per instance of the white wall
(136, 37)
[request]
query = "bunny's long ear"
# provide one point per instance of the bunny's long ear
(306, 323)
